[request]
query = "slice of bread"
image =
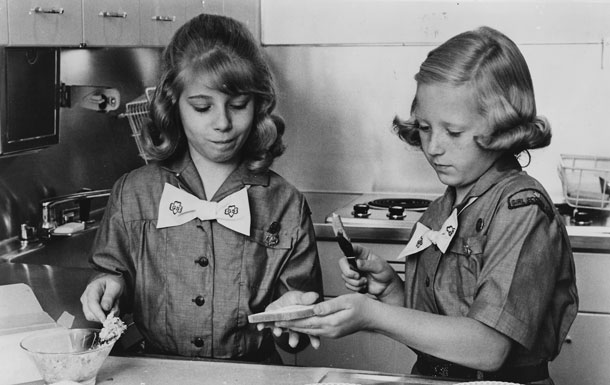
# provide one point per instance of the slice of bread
(284, 314)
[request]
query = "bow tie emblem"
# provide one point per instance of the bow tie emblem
(231, 210)
(178, 207)
(423, 237)
(175, 207)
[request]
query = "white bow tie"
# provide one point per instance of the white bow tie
(424, 237)
(178, 207)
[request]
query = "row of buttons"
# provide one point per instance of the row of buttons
(200, 300)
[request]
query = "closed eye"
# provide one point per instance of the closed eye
(202, 109)
(240, 102)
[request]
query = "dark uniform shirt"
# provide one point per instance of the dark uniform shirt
(192, 286)
(509, 266)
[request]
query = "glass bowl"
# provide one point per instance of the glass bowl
(66, 354)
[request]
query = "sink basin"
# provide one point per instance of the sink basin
(72, 251)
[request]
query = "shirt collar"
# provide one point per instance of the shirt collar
(183, 167)
(502, 168)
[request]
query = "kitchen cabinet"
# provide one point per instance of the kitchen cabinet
(45, 22)
(149, 23)
(159, 19)
(212, 7)
(3, 22)
(111, 23)
(584, 355)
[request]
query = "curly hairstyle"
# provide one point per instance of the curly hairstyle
(492, 65)
(223, 48)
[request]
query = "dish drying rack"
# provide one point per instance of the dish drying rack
(586, 181)
(136, 112)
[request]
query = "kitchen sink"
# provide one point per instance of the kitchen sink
(68, 251)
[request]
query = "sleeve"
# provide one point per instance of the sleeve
(111, 248)
(523, 257)
(303, 271)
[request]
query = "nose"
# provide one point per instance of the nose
(435, 145)
(223, 120)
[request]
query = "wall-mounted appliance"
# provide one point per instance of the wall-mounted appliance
(29, 98)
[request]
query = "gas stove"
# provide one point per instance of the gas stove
(383, 211)
(401, 212)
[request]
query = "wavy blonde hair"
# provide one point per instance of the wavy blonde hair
(492, 65)
(223, 48)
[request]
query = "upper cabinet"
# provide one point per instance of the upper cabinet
(3, 23)
(99, 23)
(111, 23)
(45, 22)
(159, 19)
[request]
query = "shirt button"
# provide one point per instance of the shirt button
(202, 261)
(199, 300)
(427, 281)
(198, 342)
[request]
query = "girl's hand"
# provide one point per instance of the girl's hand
(336, 317)
(293, 297)
(101, 296)
(379, 278)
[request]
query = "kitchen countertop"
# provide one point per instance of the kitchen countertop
(323, 203)
(152, 371)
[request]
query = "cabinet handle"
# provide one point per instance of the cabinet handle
(113, 14)
(56, 11)
(164, 18)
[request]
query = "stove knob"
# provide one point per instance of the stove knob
(581, 218)
(396, 212)
(361, 210)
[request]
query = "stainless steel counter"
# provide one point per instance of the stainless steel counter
(58, 289)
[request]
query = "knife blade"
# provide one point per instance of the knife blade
(344, 242)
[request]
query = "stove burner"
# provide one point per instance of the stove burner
(406, 203)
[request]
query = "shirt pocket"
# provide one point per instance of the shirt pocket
(463, 265)
(270, 253)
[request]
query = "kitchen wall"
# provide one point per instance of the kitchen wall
(345, 69)
(94, 148)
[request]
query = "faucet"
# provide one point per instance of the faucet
(50, 219)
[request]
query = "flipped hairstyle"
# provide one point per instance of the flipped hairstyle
(490, 64)
(223, 48)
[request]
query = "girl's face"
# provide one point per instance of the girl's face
(216, 124)
(448, 120)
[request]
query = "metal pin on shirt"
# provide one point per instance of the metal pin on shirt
(272, 235)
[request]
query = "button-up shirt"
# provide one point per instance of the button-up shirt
(509, 266)
(191, 287)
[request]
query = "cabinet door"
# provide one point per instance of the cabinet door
(45, 22)
(361, 351)
(159, 19)
(212, 7)
(592, 281)
(584, 356)
(111, 23)
(3, 23)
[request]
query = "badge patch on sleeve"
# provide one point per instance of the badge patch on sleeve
(529, 197)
